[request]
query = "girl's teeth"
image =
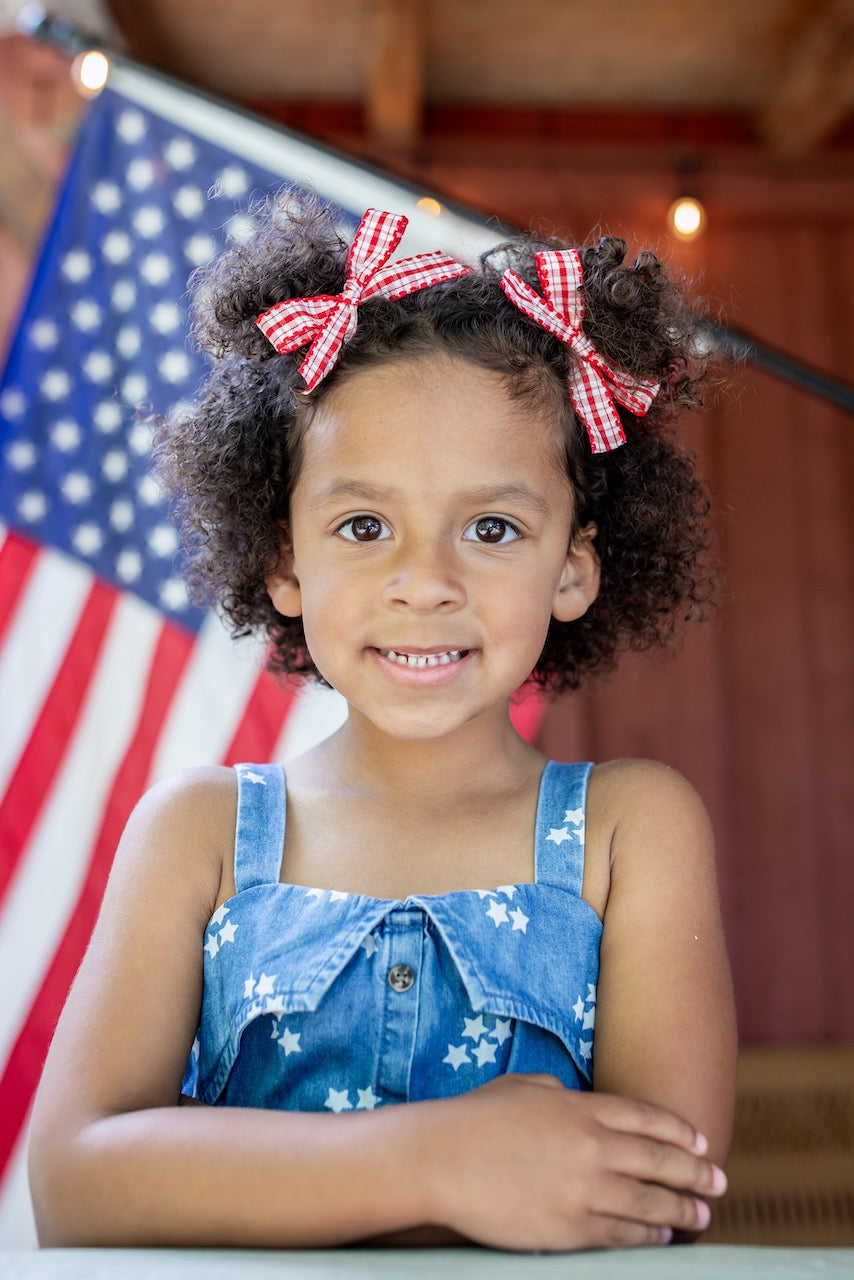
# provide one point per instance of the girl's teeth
(423, 659)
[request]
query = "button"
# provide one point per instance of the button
(400, 977)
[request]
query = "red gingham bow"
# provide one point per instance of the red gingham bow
(594, 383)
(329, 321)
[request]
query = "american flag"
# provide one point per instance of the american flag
(109, 678)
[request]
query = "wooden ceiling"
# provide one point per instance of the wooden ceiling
(788, 65)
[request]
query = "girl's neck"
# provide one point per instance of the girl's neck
(480, 758)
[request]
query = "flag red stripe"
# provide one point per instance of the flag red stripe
(40, 761)
(23, 1068)
(17, 560)
(263, 719)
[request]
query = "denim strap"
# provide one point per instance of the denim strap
(559, 841)
(260, 836)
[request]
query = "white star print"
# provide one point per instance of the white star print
(315, 893)
(591, 991)
(116, 247)
(212, 946)
(257, 778)
(87, 539)
(140, 174)
(248, 987)
(227, 932)
(180, 153)
(219, 915)
(175, 366)
(21, 454)
(163, 540)
(369, 944)
(586, 1049)
(189, 202)
(66, 435)
(275, 1005)
(174, 594)
(130, 126)
(122, 514)
(498, 912)
(55, 384)
(337, 895)
(264, 986)
(456, 1056)
(520, 920)
(165, 317)
(149, 222)
(485, 1052)
(474, 1027)
(589, 1019)
(501, 1031)
(232, 182)
(76, 487)
(485, 893)
(558, 834)
(156, 268)
(338, 1100)
(107, 416)
(200, 249)
(32, 506)
(508, 890)
(289, 1041)
(578, 1009)
(129, 566)
(106, 197)
(76, 265)
(575, 817)
(367, 1099)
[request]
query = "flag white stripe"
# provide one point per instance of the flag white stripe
(209, 702)
(317, 712)
(17, 1224)
(49, 878)
(35, 644)
(330, 174)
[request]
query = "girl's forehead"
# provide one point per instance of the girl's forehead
(435, 407)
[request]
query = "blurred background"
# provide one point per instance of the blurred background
(583, 119)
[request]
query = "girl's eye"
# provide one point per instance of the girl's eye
(491, 529)
(363, 529)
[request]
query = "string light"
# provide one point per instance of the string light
(428, 205)
(686, 218)
(90, 72)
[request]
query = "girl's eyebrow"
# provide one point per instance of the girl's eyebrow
(483, 496)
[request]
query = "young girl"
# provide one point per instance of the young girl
(423, 483)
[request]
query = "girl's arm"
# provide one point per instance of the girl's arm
(113, 1159)
(665, 1023)
(521, 1163)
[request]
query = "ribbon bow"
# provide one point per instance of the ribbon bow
(594, 383)
(329, 321)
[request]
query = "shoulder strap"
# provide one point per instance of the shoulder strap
(559, 840)
(260, 836)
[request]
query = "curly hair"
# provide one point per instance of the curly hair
(230, 463)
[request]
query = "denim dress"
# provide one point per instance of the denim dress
(319, 1000)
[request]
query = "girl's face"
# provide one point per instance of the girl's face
(430, 530)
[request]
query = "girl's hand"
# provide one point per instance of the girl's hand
(537, 1166)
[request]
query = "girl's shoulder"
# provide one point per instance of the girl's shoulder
(643, 814)
(182, 833)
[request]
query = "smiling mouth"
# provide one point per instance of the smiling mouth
(423, 659)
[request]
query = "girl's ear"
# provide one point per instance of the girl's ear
(579, 582)
(283, 584)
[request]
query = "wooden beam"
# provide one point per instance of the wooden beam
(816, 91)
(394, 98)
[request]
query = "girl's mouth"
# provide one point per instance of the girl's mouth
(423, 659)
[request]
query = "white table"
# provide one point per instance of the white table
(692, 1262)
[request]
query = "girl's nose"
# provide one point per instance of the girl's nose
(425, 576)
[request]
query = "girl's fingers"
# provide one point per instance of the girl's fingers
(652, 1161)
(622, 1233)
(631, 1115)
(648, 1205)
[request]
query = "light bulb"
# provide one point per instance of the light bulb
(90, 72)
(686, 218)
